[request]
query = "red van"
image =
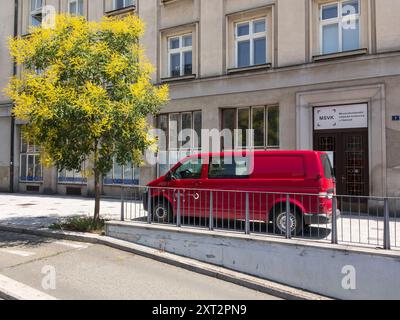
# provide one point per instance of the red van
(220, 182)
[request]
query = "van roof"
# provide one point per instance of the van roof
(272, 152)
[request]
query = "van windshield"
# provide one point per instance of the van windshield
(326, 164)
(190, 169)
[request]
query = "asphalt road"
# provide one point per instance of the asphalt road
(86, 271)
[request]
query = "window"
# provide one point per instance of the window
(35, 15)
(191, 169)
(182, 130)
(326, 164)
(123, 175)
(75, 7)
(30, 167)
(120, 4)
(251, 43)
(255, 127)
(223, 168)
(340, 26)
(66, 176)
(182, 137)
(180, 56)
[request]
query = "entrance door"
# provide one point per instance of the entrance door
(350, 157)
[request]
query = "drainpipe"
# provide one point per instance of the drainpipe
(12, 142)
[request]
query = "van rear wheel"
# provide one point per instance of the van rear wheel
(162, 212)
(295, 223)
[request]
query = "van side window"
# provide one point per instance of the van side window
(227, 168)
(191, 169)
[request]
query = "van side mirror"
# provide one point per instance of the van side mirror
(169, 177)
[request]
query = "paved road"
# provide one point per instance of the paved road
(85, 271)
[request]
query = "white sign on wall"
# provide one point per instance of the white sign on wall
(341, 117)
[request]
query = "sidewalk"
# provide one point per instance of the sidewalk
(38, 211)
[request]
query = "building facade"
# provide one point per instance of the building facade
(302, 74)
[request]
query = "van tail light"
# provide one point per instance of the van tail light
(328, 194)
(323, 195)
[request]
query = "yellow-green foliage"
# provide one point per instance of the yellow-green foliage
(85, 91)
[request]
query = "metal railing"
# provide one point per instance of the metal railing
(368, 221)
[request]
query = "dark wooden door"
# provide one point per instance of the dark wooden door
(351, 162)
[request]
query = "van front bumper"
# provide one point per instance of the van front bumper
(322, 218)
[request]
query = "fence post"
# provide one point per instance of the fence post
(386, 227)
(211, 218)
(178, 210)
(334, 220)
(122, 205)
(247, 222)
(288, 230)
(149, 208)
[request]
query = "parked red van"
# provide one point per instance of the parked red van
(231, 184)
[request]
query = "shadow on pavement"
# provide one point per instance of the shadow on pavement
(13, 240)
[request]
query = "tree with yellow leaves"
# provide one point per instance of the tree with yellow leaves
(85, 92)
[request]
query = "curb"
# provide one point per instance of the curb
(244, 280)
(14, 290)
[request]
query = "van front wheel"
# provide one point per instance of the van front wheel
(295, 223)
(162, 212)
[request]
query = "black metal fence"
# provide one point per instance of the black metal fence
(369, 221)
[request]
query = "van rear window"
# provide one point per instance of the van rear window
(281, 167)
(327, 166)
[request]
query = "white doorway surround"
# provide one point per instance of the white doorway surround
(374, 97)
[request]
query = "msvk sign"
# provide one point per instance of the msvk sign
(341, 117)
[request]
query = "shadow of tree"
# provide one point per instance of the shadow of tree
(14, 240)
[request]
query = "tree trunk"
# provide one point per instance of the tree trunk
(97, 195)
(96, 183)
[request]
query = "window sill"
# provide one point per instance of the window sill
(265, 66)
(120, 11)
(168, 1)
(340, 55)
(79, 183)
(30, 182)
(177, 79)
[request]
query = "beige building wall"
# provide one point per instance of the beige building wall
(387, 25)
(6, 30)
(297, 80)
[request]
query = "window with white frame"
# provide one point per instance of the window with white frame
(75, 7)
(182, 137)
(35, 13)
(180, 55)
(30, 167)
(123, 175)
(340, 26)
(72, 176)
(251, 43)
(120, 4)
(261, 121)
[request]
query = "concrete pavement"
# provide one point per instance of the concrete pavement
(41, 211)
(90, 271)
